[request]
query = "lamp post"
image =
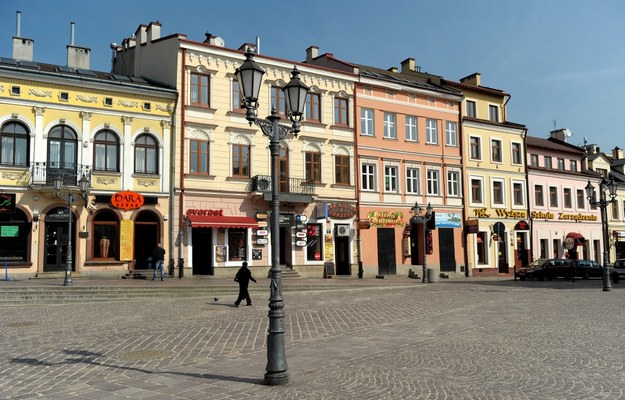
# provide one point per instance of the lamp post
(249, 75)
(603, 204)
(423, 220)
(58, 185)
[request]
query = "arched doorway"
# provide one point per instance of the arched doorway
(147, 235)
(57, 239)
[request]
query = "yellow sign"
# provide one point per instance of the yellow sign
(126, 240)
(386, 218)
(564, 216)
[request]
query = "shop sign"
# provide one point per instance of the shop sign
(300, 243)
(300, 234)
(127, 200)
(7, 203)
(301, 218)
(472, 226)
(262, 232)
(211, 213)
(262, 224)
(569, 243)
(126, 240)
(286, 219)
(522, 226)
(364, 224)
(341, 210)
(386, 218)
(500, 213)
(262, 215)
(262, 241)
(448, 220)
(564, 216)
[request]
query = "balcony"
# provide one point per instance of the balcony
(291, 190)
(44, 173)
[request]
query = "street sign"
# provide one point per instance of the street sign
(300, 243)
(300, 234)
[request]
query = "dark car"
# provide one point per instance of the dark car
(618, 270)
(587, 269)
(547, 268)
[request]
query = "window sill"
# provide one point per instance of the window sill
(316, 124)
(342, 186)
(340, 126)
(201, 107)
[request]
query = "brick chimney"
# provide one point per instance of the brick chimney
(617, 153)
(311, 53)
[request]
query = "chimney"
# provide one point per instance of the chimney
(561, 134)
(77, 57)
(392, 69)
(22, 47)
(473, 79)
(617, 153)
(311, 53)
(141, 34)
(407, 65)
(153, 31)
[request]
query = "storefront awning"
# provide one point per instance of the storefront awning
(578, 237)
(221, 221)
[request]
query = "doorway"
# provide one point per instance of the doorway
(386, 251)
(56, 240)
(341, 243)
(446, 249)
(285, 246)
(201, 240)
(147, 235)
(502, 251)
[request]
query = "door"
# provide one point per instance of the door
(56, 240)
(285, 246)
(62, 154)
(147, 234)
(446, 250)
(201, 240)
(386, 251)
(521, 258)
(341, 256)
(503, 255)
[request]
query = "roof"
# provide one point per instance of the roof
(553, 144)
(464, 86)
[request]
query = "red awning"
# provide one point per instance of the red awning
(220, 221)
(579, 239)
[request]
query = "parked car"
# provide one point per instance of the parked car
(618, 270)
(547, 268)
(587, 269)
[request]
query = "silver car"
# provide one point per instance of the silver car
(618, 270)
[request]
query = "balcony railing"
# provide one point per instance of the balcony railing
(262, 183)
(43, 173)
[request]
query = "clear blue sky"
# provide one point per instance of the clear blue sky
(563, 61)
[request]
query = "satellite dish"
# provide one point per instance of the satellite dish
(219, 41)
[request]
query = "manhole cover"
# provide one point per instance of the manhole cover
(143, 355)
(21, 324)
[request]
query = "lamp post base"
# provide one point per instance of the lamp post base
(276, 378)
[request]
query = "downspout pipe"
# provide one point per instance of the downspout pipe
(357, 179)
(181, 220)
(172, 185)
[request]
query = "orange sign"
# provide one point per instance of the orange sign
(127, 200)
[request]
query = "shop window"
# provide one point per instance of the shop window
(14, 237)
(105, 230)
(237, 243)
(482, 248)
(314, 245)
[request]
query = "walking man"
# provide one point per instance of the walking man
(159, 261)
(243, 276)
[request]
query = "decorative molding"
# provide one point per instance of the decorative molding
(39, 111)
(87, 99)
(105, 181)
(165, 108)
(198, 134)
(129, 104)
(40, 93)
(127, 120)
(147, 182)
(13, 176)
(1, 88)
(166, 124)
(86, 116)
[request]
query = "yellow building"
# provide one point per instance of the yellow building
(71, 124)
(222, 164)
(496, 209)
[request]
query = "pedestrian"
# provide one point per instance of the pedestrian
(159, 261)
(243, 276)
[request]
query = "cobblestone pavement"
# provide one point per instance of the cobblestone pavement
(471, 339)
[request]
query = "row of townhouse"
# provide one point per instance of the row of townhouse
(170, 158)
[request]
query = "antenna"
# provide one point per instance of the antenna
(555, 124)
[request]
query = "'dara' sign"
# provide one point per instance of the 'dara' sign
(127, 200)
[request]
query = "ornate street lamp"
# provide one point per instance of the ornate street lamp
(423, 220)
(603, 204)
(249, 75)
(83, 184)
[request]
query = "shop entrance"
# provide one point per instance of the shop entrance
(341, 243)
(57, 239)
(386, 251)
(147, 235)
(446, 249)
(201, 240)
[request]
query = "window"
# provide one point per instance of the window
(544, 246)
(476, 191)
(451, 133)
(482, 248)
(411, 128)
(390, 179)
(493, 113)
(236, 96)
(105, 230)
(602, 171)
(518, 197)
(433, 180)
(341, 170)
(64, 96)
(278, 101)
(15, 244)
(108, 101)
(313, 166)
(553, 196)
(453, 183)
(240, 161)
(476, 152)
(413, 183)
(198, 159)
(389, 126)
(106, 151)
(516, 154)
(147, 106)
(471, 109)
(539, 196)
(368, 176)
(573, 165)
(366, 122)
(146, 155)
(568, 198)
(237, 244)
(314, 242)
(313, 107)
(548, 162)
(615, 210)
(199, 89)
(16, 90)
(581, 195)
(561, 164)
(534, 160)
(14, 144)
(340, 112)
(431, 131)
(498, 194)
(556, 248)
(495, 150)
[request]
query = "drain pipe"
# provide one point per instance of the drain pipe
(181, 220)
(172, 185)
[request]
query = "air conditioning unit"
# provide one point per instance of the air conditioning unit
(342, 230)
(261, 184)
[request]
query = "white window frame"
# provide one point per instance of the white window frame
(492, 192)
(367, 125)
(451, 133)
(571, 198)
(390, 125)
(482, 194)
(391, 178)
(411, 129)
(433, 182)
(431, 132)
(492, 159)
(413, 180)
(370, 173)
(453, 183)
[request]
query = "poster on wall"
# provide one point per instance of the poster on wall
(126, 240)
(221, 253)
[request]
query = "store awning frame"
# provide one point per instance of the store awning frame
(222, 221)
(580, 240)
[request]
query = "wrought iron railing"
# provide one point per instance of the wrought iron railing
(43, 173)
(262, 183)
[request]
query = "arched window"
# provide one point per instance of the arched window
(106, 151)
(62, 154)
(105, 230)
(146, 155)
(14, 237)
(14, 141)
